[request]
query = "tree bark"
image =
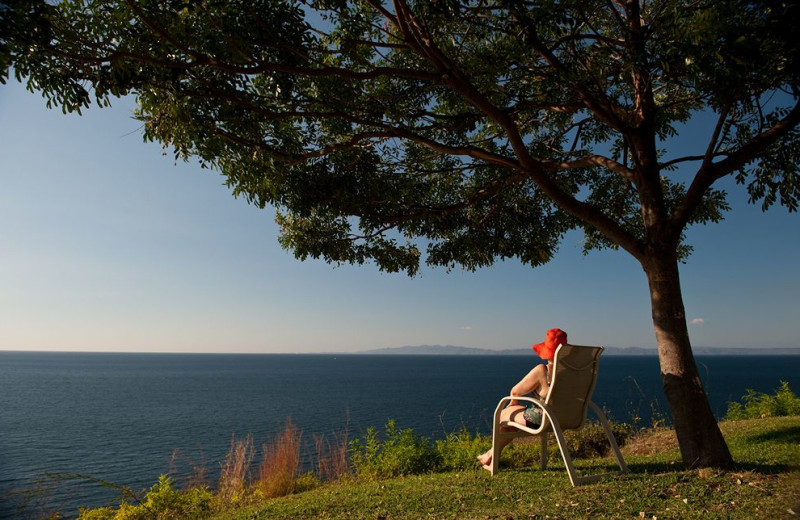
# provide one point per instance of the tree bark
(699, 437)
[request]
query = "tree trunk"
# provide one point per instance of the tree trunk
(701, 442)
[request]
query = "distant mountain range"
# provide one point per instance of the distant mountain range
(453, 350)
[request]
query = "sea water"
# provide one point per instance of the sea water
(124, 419)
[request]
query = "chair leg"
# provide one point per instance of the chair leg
(544, 450)
(494, 466)
(562, 446)
(610, 434)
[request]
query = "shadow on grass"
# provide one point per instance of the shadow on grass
(665, 467)
(651, 468)
(634, 468)
(768, 469)
(788, 435)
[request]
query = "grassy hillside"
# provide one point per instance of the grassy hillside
(765, 484)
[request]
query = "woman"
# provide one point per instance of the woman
(538, 381)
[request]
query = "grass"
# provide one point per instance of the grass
(765, 484)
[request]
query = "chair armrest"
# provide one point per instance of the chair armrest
(547, 414)
(505, 400)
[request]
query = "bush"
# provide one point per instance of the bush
(457, 451)
(758, 404)
(591, 440)
(162, 502)
(403, 452)
(306, 482)
(525, 453)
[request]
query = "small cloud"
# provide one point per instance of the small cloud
(697, 321)
(466, 328)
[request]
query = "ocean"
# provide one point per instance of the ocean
(119, 418)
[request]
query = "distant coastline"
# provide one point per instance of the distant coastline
(454, 350)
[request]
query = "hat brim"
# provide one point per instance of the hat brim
(543, 351)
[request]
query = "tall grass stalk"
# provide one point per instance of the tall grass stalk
(198, 475)
(332, 461)
(279, 467)
(233, 477)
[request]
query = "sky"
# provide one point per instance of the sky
(108, 244)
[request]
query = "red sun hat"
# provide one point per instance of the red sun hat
(547, 348)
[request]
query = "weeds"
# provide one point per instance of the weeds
(161, 502)
(457, 451)
(280, 464)
(394, 452)
(332, 461)
(198, 476)
(233, 479)
(403, 452)
(756, 405)
(591, 440)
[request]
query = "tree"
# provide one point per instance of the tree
(475, 130)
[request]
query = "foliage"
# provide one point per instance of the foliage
(591, 440)
(162, 502)
(487, 130)
(23, 24)
(402, 452)
(305, 482)
(764, 485)
(761, 446)
(758, 404)
(458, 450)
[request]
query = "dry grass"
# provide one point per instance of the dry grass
(234, 476)
(651, 442)
(278, 473)
(198, 472)
(279, 467)
(332, 461)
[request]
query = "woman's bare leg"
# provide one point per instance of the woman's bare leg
(512, 412)
(534, 381)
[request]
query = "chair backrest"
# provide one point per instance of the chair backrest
(572, 383)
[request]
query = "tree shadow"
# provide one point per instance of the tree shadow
(666, 467)
(787, 435)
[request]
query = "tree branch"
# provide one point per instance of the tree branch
(711, 172)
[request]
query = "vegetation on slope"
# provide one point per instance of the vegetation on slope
(400, 474)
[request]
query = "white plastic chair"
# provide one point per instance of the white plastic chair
(574, 376)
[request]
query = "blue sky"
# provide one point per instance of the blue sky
(107, 245)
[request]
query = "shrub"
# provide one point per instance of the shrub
(306, 482)
(524, 453)
(591, 440)
(457, 451)
(100, 513)
(758, 404)
(403, 452)
(162, 502)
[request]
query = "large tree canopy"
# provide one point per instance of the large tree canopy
(457, 133)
